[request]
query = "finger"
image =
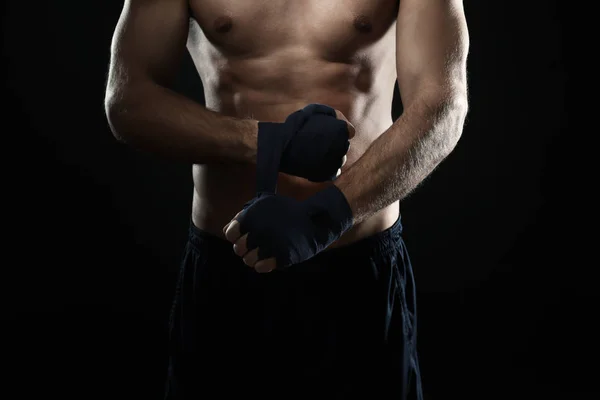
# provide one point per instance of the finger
(266, 265)
(340, 115)
(233, 231)
(227, 225)
(339, 172)
(344, 159)
(351, 129)
(251, 258)
(240, 247)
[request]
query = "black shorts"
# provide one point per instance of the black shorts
(340, 325)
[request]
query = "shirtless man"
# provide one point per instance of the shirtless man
(316, 299)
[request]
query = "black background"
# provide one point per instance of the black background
(97, 229)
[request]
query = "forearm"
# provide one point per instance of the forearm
(403, 156)
(155, 119)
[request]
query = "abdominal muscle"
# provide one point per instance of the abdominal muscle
(221, 190)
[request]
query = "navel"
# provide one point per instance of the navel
(362, 24)
(223, 24)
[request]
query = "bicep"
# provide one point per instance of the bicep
(431, 48)
(149, 41)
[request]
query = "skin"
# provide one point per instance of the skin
(261, 61)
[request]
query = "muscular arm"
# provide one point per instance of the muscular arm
(148, 45)
(431, 53)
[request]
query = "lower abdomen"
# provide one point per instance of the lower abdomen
(220, 192)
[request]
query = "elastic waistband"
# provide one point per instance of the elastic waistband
(381, 242)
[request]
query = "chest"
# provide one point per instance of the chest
(335, 27)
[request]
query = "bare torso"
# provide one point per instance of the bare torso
(267, 59)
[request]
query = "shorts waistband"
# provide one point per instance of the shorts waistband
(380, 242)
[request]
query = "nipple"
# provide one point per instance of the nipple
(362, 24)
(223, 24)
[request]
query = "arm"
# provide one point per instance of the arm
(431, 52)
(148, 45)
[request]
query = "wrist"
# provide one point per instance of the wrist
(332, 201)
(273, 136)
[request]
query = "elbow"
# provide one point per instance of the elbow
(460, 104)
(118, 114)
(453, 108)
(455, 116)
(449, 111)
(126, 108)
(454, 102)
(111, 111)
(444, 102)
(460, 109)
